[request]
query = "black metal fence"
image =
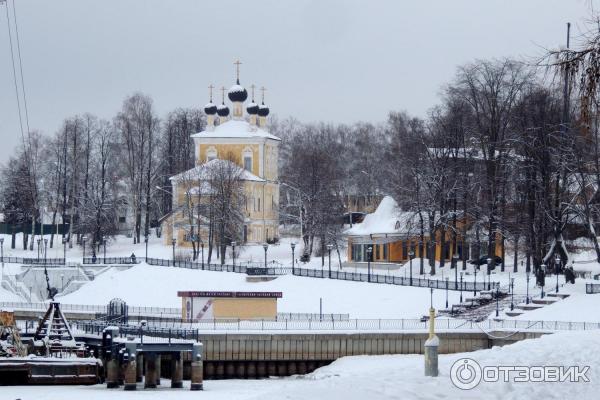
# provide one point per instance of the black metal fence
(34, 261)
(111, 260)
(592, 288)
(193, 330)
(397, 280)
(241, 269)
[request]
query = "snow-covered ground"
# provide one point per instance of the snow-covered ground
(146, 285)
(382, 377)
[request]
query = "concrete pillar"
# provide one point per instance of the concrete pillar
(158, 371)
(431, 356)
(197, 377)
(112, 374)
(197, 373)
(139, 370)
(176, 371)
(150, 378)
(130, 374)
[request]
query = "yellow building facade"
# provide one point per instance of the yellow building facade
(243, 139)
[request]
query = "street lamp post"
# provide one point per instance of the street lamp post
(455, 266)
(527, 294)
(512, 293)
(497, 301)
(557, 262)
(2, 255)
(461, 287)
(104, 243)
(329, 247)
(489, 271)
(293, 246)
(369, 252)
(202, 247)
(173, 242)
(411, 255)
(474, 280)
(543, 280)
(84, 239)
(447, 281)
(266, 247)
(65, 248)
(233, 253)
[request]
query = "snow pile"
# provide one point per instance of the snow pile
(384, 377)
(388, 218)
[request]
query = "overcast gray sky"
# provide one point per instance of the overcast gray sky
(339, 61)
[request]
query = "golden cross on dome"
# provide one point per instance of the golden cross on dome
(223, 94)
(263, 90)
(237, 70)
(252, 88)
(210, 88)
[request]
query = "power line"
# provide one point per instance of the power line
(12, 55)
(21, 68)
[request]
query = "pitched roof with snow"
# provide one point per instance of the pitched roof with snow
(388, 219)
(235, 129)
(202, 172)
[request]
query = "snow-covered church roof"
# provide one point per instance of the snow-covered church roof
(235, 129)
(203, 172)
(388, 219)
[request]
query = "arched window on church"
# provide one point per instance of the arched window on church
(211, 154)
(247, 157)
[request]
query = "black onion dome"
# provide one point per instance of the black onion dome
(237, 93)
(210, 109)
(252, 108)
(223, 110)
(263, 110)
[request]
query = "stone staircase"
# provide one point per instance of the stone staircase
(537, 303)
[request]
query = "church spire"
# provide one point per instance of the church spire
(263, 111)
(237, 94)
(252, 109)
(222, 109)
(210, 109)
